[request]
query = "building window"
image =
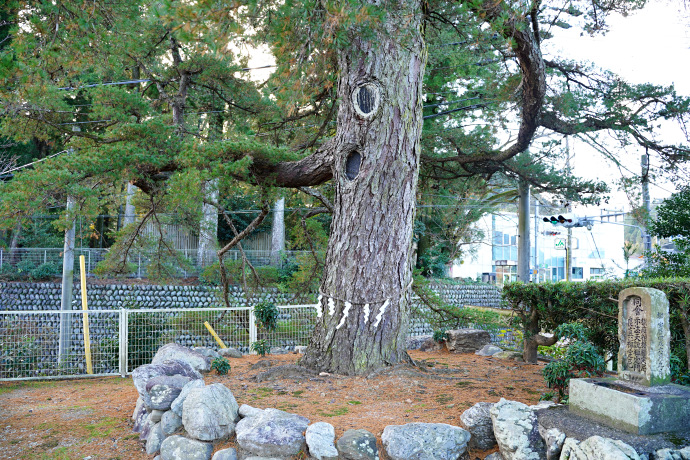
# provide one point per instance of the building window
(578, 273)
(596, 271)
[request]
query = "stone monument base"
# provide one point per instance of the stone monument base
(630, 407)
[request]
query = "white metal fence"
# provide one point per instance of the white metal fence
(50, 344)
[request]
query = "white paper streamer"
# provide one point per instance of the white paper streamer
(366, 313)
(381, 310)
(319, 310)
(345, 313)
(331, 306)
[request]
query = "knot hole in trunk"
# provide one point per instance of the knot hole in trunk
(352, 164)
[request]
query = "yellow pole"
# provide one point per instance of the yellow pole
(215, 336)
(85, 309)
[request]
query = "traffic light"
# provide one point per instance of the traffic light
(559, 220)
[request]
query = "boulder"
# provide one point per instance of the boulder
(272, 433)
(320, 439)
(154, 440)
(210, 353)
(170, 422)
(508, 355)
(249, 411)
(138, 408)
(177, 404)
(423, 343)
(494, 456)
(597, 448)
(225, 454)
(358, 445)
(142, 374)
(146, 428)
(164, 389)
(467, 340)
(425, 441)
(671, 454)
(477, 420)
(279, 351)
(181, 448)
(517, 431)
(488, 350)
(554, 439)
(141, 416)
(209, 413)
(230, 352)
(176, 352)
(300, 349)
(156, 415)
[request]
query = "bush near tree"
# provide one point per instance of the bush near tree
(594, 304)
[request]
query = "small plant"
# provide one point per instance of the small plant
(582, 359)
(440, 336)
(221, 365)
(266, 315)
(261, 347)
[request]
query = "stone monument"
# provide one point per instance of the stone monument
(641, 398)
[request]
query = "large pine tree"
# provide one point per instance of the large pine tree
(367, 96)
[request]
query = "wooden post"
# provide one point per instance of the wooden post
(85, 309)
(220, 342)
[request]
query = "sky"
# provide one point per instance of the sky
(651, 45)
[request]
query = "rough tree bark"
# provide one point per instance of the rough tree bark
(367, 280)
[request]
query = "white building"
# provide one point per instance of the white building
(596, 253)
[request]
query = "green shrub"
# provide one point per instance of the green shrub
(440, 336)
(45, 271)
(266, 314)
(221, 365)
(261, 347)
(581, 360)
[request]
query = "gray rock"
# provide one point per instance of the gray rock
(181, 448)
(467, 340)
(210, 353)
(358, 445)
(209, 413)
(425, 441)
(176, 352)
(138, 408)
(225, 454)
(249, 411)
(170, 422)
(177, 404)
(154, 440)
(509, 355)
(494, 456)
(516, 431)
(415, 342)
(141, 417)
(146, 428)
(477, 420)
(300, 349)
(142, 374)
(272, 433)
(230, 352)
(488, 350)
(156, 415)
(278, 351)
(164, 389)
(320, 438)
(554, 439)
(597, 448)
(671, 454)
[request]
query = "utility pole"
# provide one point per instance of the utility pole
(569, 243)
(646, 203)
(523, 232)
(536, 248)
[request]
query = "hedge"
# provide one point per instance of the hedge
(544, 306)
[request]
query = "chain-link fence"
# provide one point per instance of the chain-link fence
(186, 263)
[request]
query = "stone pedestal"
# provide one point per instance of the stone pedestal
(632, 407)
(641, 400)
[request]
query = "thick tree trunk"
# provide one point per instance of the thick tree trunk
(367, 283)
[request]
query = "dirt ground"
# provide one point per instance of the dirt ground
(91, 418)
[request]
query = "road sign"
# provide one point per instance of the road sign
(559, 243)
